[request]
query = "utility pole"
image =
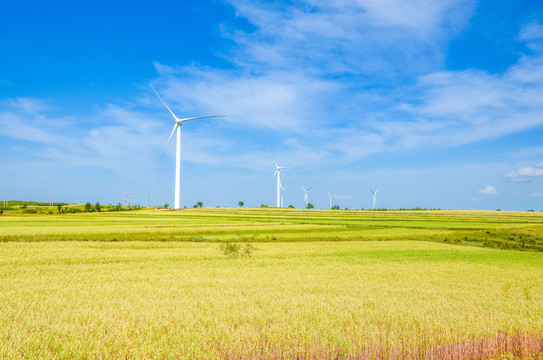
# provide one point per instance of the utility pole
(124, 199)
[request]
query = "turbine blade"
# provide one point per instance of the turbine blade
(170, 139)
(308, 188)
(271, 157)
(328, 193)
(276, 170)
(304, 189)
(174, 117)
(200, 117)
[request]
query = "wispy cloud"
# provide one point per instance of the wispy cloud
(366, 36)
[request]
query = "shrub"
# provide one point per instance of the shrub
(236, 250)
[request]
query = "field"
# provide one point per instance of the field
(319, 284)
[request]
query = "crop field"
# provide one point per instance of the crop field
(318, 285)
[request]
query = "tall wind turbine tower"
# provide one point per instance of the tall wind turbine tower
(177, 126)
(279, 186)
(374, 197)
(306, 197)
(330, 197)
(282, 188)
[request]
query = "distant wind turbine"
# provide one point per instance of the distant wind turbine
(177, 126)
(279, 186)
(374, 194)
(330, 197)
(306, 197)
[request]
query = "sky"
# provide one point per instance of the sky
(435, 103)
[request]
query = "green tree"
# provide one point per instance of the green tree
(166, 206)
(335, 207)
(241, 203)
(59, 207)
(98, 207)
(200, 204)
(309, 206)
(88, 207)
(291, 206)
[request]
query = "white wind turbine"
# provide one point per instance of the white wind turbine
(330, 197)
(279, 186)
(374, 194)
(306, 197)
(177, 126)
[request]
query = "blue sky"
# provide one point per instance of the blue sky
(437, 104)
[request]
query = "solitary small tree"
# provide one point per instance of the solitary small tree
(241, 203)
(88, 207)
(59, 207)
(309, 206)
(335, 207)
(98, 207)
(200, 204)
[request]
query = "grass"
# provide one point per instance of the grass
(505, 230)
(320, 299)
(297, 296)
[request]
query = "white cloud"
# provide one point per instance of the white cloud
(488, 190)
(526, 173)
(368, 36)
(531, 31)
(539, 194)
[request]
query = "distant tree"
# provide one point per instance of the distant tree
(291, 206)
(241, 203)
(195, 206)
(200, 204)
(98, 207)
(263, 205)
(59, 207)
(88, 207)
(309, 206)
(166, 206)
(335, 207)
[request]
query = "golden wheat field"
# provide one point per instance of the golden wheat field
(318, 285)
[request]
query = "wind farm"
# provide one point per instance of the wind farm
(116, 243)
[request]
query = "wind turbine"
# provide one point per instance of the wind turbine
(330, 197)
(374, 194)
(177, 126)
(279, 186)
(306, 197)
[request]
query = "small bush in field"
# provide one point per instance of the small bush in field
(236, 250)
